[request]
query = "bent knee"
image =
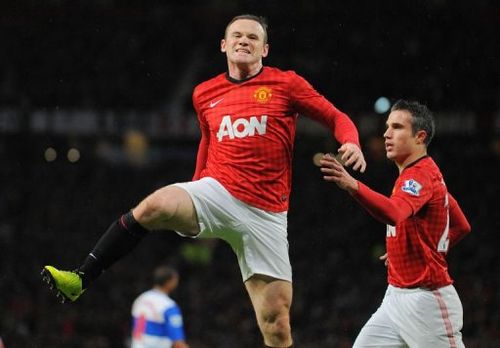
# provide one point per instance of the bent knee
(277, 325)
(161, 205)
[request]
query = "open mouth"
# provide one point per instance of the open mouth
(242, 50)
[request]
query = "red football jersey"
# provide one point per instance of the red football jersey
(248, 131)
(417, 246)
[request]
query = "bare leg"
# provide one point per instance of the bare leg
(271, 299)
(169, 208)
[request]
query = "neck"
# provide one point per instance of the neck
(410, 159)
(243, 71)
(163, 289)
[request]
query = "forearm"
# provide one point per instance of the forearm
(386, 210)
(307, 101)
(339, 123)
(344, 129)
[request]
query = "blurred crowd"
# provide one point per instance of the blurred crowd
(101, 55)
(53, 212)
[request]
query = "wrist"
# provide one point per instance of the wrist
(353, 188)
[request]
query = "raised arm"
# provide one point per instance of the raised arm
(387, 210)
(307, 101)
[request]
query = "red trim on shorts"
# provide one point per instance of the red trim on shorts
(446, 318)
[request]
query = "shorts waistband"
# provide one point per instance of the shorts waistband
(414, 289)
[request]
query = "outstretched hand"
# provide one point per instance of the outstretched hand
(335, 172)
(351, 155)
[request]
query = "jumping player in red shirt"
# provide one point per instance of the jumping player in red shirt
(241, 186)
(421, 307)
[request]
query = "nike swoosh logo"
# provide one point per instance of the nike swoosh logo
(214, 103)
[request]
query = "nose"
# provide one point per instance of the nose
(243, 41)
(387, 133)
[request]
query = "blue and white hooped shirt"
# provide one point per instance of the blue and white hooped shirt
(157, 321)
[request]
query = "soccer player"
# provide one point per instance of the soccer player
(421, 307)
(157, 319)
(241, 186)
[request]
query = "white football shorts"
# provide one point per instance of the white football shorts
(415, 318)
(258, 237)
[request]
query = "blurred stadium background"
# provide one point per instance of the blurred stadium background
(95, 112)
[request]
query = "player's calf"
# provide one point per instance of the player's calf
(276, 330)
(121, 237)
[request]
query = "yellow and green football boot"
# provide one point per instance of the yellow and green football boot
(67, 284)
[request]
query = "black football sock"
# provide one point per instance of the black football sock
(120, 238)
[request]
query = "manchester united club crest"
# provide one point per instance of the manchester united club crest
(263, 94)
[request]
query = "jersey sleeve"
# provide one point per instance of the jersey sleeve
(414, 187)
(201, 157)
(174, 325)
(386, 210)
(307, 101)
(459, 226)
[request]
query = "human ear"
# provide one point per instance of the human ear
(265, 51)
(421, 136)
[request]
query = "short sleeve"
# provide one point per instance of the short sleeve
(173, 323)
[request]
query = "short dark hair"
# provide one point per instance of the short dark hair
(163, 274)
(259, 19)
(422, 118)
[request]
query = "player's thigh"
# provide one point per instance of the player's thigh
(168, 208)
(440, 319)
(264, 246)
(270, 297)
(379, 331)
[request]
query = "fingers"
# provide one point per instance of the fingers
(351, 155)
(329, 161)
(360, 165)
(331, 166)
(385, 259)
(332, 170)
(331, 174)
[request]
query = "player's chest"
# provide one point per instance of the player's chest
(248, 102)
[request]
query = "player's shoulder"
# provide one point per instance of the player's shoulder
(422, 172)
(156, 297)
(205, 90)
(426, 166)
(286, 79)
(279, 73)
(209, 84)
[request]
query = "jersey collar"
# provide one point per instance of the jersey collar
(232, 80)
(415, 162)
